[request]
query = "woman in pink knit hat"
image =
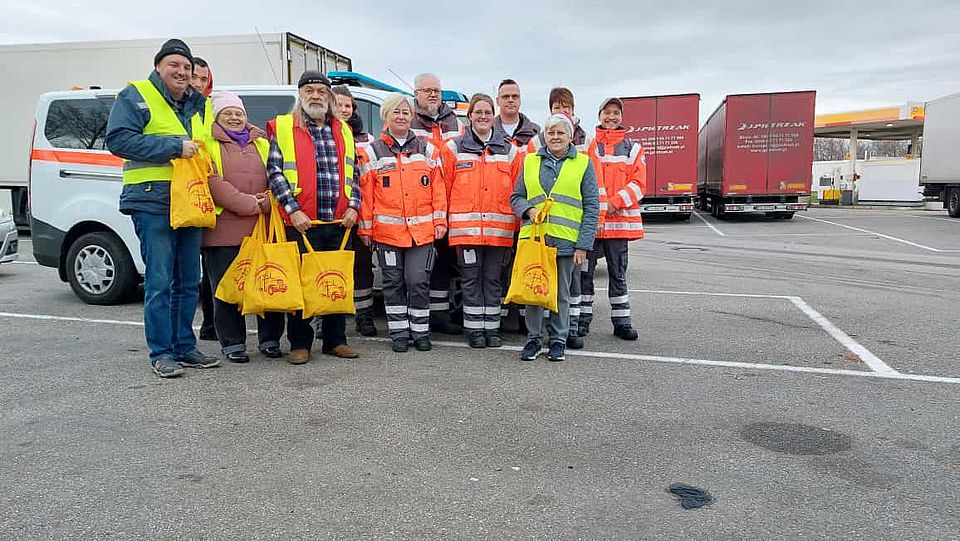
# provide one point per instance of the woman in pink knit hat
(238, 185)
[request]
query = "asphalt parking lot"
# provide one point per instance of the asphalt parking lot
(805, 372)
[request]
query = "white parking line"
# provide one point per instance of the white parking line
(843, 338)
(828, 235)
(722, 364)
(46, 317)
(888, 237)
(602, 354)
(710, 225)
(24, 262)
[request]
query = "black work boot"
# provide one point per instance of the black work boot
(477, 340)
(423, 343)
(625, 332)
(574, 341)
(365, 326)
(399, 345)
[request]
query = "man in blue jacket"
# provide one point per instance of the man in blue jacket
(152, 122)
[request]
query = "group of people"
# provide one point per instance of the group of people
(430, 197)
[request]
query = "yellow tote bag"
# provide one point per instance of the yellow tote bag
(230, 288)
(273, 281)
(191, 204)
(327, 280)
(533, 280)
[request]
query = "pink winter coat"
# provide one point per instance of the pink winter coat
(243, 175)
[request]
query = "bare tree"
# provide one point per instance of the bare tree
(829, 149)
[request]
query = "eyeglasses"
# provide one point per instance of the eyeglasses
(237, 114)
(428, 91)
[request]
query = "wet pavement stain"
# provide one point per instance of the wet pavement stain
(796, 438)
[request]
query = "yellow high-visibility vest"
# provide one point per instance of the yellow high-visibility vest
(163, 121)
(284, 127)
(566, 208)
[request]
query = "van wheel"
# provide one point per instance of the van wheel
(953, 202)
(100, 270)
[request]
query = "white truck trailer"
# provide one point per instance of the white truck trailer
(939, 158)
(33, 69)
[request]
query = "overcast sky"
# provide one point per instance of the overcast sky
(855, 54)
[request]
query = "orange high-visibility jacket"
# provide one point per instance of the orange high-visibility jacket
(437, 130)
(622, 177)
(404, 196)
(480, 178)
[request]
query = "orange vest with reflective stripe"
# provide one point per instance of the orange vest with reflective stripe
(621, 177)
(404, 196)
(480, 185)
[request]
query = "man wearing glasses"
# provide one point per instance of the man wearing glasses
(435, 121)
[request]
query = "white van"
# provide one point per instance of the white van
(75, 183)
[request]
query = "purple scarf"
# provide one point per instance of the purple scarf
(241, 138)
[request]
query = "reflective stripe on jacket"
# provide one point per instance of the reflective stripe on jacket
(480, 178)
(622, 178)
(404, 196)
(163, 121)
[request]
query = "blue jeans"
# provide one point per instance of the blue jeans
(171, 283)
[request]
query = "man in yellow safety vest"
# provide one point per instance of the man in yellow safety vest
(153, 121)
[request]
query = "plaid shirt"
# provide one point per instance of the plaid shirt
(328, 175)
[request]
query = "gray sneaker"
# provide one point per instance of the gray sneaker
(196, 359)
(165, 367)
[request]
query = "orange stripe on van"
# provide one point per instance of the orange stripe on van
(71, 156)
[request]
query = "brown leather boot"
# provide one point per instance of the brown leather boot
(344, 352)
(298, 356)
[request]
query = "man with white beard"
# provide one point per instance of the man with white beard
(323, 185)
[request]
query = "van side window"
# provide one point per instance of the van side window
(370, 114)
(260, 109)
(78, 123)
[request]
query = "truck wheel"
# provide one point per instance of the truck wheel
(718, 205)
(953, 202)
(786, 215)
(18, 199)
(100, 270)
(683, 216)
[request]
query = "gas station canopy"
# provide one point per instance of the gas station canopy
(886, 123)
